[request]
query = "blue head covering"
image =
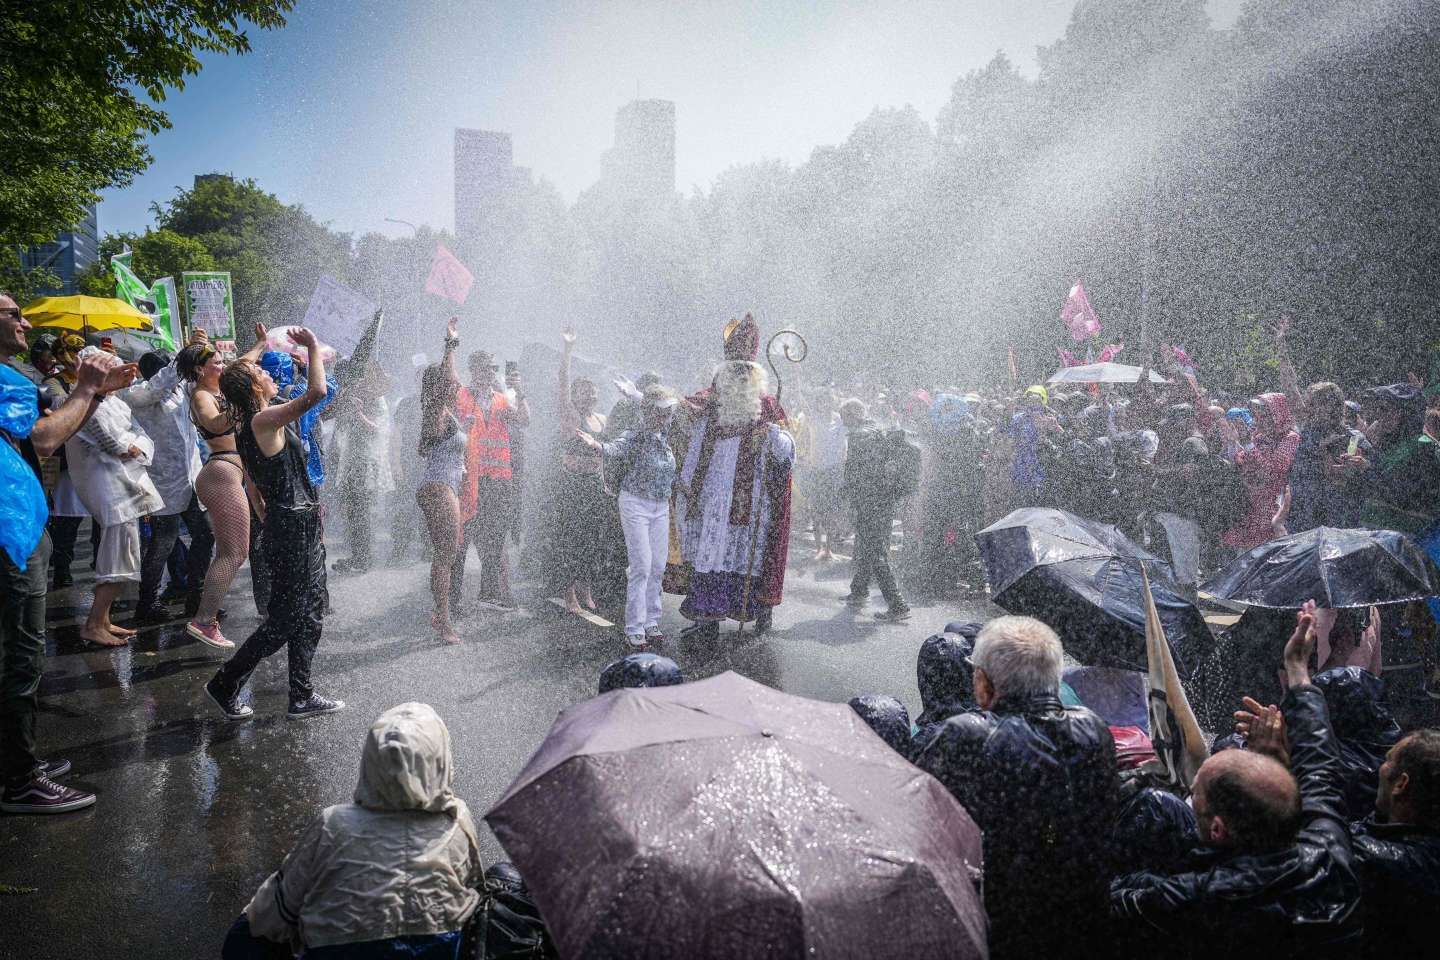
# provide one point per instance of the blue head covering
(1241, 414)
(280, 367)
(948, 412)
(640, 670)
(888, 717)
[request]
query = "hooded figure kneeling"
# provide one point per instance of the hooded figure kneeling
(407, 842)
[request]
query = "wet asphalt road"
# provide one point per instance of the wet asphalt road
(194, 811)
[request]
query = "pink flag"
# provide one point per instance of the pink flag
(1067, 358)
(1110, 352)
(1182, 360)
(448, 276)
(1078, 315)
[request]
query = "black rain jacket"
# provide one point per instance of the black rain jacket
(1039, 778)
(1400, 871)
(1301, 901)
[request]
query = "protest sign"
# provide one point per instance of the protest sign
(338, 315)
(209, 304)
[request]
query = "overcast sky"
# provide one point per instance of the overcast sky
(351, 109)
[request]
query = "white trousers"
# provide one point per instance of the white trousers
(647, 544)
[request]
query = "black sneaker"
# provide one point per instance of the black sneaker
(314, 706)
(54, 768)
(153, 614)
(230, 706)
(43, 795)
(894, 615)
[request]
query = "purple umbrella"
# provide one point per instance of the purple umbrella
(726, 819)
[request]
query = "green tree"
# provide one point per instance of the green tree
(158, 253)
(274, 252)
(80, 85)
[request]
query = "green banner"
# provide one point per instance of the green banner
(209, 304)
(157, 301)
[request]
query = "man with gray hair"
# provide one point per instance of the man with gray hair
(1040, 780)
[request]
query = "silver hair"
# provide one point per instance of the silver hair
(1020, 655)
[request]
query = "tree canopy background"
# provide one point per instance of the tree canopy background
(1201, 182)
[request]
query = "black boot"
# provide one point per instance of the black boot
(763, 620)
(704, 632)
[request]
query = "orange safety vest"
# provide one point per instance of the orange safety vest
(488, 452)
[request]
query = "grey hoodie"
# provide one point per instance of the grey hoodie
(400, 861)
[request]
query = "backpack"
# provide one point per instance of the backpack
(887, 467)
(506, 925)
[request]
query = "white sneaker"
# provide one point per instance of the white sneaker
(636, 639)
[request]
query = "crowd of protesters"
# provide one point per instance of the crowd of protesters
(1312, 830)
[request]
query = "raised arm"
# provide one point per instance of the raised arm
(569, 417)
(452, 341)
(93, 381)
(1289, 378)
(276, 417)
(258, 347)
(147, 393)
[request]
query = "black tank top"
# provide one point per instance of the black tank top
(281, 479)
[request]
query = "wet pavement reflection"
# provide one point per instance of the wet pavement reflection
(194, 810)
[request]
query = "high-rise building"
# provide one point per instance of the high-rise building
(484, 174)
(641, 164)
(68, 255)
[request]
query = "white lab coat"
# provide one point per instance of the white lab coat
(114, 491)
(161, 406)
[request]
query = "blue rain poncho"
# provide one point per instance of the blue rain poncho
(22, 501)
(282, 370)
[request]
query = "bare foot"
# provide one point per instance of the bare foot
(444, 629)
(573, 605)
(588, 600)
(101, 637)
(118, 630)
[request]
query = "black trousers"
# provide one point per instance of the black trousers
(872, 553)
(294, 614)
(164, 532)
(22, 659)
(486, 532)
(359, 502)
(405, 518)
(63, 533)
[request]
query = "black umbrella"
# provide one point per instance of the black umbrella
(1083, 579)
(1335, 568)
(726, 819)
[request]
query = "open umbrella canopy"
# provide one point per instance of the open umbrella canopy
(1034, 536)
(726, 819)
(1334, 567)
(80, 312)
(1083, 579)
(1103, 373)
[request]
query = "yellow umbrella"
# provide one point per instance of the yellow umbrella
(85, 313)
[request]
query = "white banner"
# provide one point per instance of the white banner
(338, 315)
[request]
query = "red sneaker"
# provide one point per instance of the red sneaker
(209, 633)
